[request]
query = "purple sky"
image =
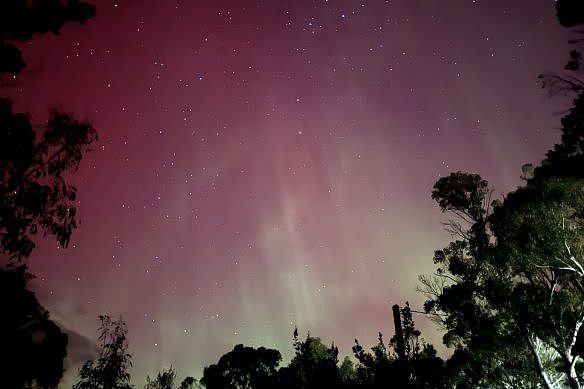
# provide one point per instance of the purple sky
(268, 164)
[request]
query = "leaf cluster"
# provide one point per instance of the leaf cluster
(34, 193)
(110, 369)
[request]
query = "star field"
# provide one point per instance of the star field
(268, 164)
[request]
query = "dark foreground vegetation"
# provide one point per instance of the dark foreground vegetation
(508, 291)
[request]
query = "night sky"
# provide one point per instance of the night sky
(268, 164)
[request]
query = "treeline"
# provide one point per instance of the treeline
(508, 291)
(414, 364)
(315, 365)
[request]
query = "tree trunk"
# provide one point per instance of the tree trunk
(570, 370)
(540, 370)
(573, 379)
(568, 359)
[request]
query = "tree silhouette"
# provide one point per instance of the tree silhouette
(21, 19)
(375, 369)
(472, 288)
(32, 347)
(188, 383)
(383, 367)
(243, 367)
(34, 195)
(570, 12)
(539, 230)
(347, 372)
(314, 365)
(110, 370)
(410, 334)
(512, 278)
(165, 380)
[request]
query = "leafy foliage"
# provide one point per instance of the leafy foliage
(314, 365)
(188, 383)
(512, 277)
(164, 380)
(34, 197)
(421, 367)
(34, 194)
(110, 370)
(243, 367)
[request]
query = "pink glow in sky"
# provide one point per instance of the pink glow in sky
(268, 164)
